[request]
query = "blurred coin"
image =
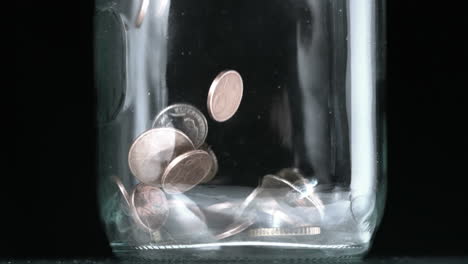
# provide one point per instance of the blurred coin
(150, 206)
(219, 207)
(122, 189)
(235, 228)
(224, 96)
(274, 182)
(248, 202)
(152, 151)
(185, 118)
(186, 203)
(186, 221)
(214, 168)
(142, 13)
(281, 231)
(186, 171)
(291, 175)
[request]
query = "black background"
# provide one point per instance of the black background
(51, 208)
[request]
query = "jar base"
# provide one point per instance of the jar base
(236, 251)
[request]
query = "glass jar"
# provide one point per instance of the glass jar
(240, 129)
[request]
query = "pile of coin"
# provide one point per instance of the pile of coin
(172, 157)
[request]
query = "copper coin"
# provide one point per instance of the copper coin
(187, 119)
(150, 206)
(142, 13)
(152, 151)
(225, 95)
(122, 189)
(214, 168)
(186, 171)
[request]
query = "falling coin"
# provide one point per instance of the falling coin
(214, 168)
(150, 206)
(122, 189)
(152, 151)
(224, 96)
(291, 175)
(235, 228)
(185, 118)
(281, 231)
(275, 182)
(186, 171)
(142, 13)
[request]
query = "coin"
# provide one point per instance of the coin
(186, 171)
(142, 13)
(214, 168)
(185, 118)
(186, 203)
(122, 189)
(272, 181)
(235, 228)
(281, 231)
(152, 151)
(150, 206)
(291, 175)
(224, 96)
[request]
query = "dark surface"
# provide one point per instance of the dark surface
(393, 260)
(52, 212)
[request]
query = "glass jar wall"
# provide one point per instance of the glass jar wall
(240, 129)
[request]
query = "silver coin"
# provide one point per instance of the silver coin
(186, 171)
(225, 95)
(187, 119)
(150, 206)
(142, 12)
(281, 231)
(214, 168)
(122, 189)
(152, 151)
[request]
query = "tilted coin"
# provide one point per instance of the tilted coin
(188, 204)
(248, 202)
(224, 96)
(152, 151)
(218, 207)
(235, 228)
(214, 168)
(186, 171)
(281, 231)
(291, 175)
(142, 12)
(122, 189)
(150, 206)
(273, 181)
(185, 118)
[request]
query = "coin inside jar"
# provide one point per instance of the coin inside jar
(122, 189)
(152, 151)
(150, 206)
(185, 118)
(273, 182)
(214, 168)
(142, 13)
(224, 96)
(186, 171)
